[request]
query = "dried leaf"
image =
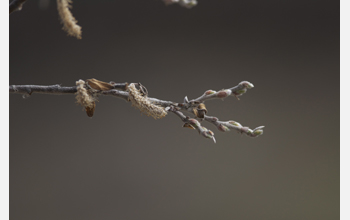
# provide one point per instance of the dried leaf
(99, 85)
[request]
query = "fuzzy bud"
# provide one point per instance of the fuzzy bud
(235, 123)
(258, 131)
(247, 84)
(223, 128)
(208, 134)
(224, 93)
(210, 92)
(240, 92)
(194, 122)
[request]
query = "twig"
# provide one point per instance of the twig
(16, 5)
(53, 89)
(236, 91)
(192, 123)
(225, 126)
(87, 94)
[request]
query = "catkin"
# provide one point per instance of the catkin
(69, 22)
(144, 105)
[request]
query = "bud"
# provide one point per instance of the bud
(240, 92)
(194, 122)
(210, 92)
(247, 84)
(208, 134)
(258, 131)
(223, 128)
(224, 93)
(235, 123)
(200, 111)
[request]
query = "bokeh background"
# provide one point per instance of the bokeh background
(123, 165)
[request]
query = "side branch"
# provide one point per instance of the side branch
(236, 91)
(227, 125)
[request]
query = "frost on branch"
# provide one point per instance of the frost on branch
(87, 92)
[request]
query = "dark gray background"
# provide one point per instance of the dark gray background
(123, 165)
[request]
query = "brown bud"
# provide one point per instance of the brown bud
(202, 107)
(90, 110)
(187, 125)
(99, 85)
(200, 111)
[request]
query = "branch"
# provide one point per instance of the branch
(196, 107)
(16, 5)
(236, 91)
(192, 123)
(225, 126)
(54, 89)
(87, 93)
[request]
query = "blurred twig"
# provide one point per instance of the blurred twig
(16, 5)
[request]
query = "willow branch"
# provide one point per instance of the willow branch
(87, 92)
(16, 5)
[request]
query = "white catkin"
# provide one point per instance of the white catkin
(144, 105)
(83, 97)
(69, 22)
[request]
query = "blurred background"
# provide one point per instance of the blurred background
(124, 165)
